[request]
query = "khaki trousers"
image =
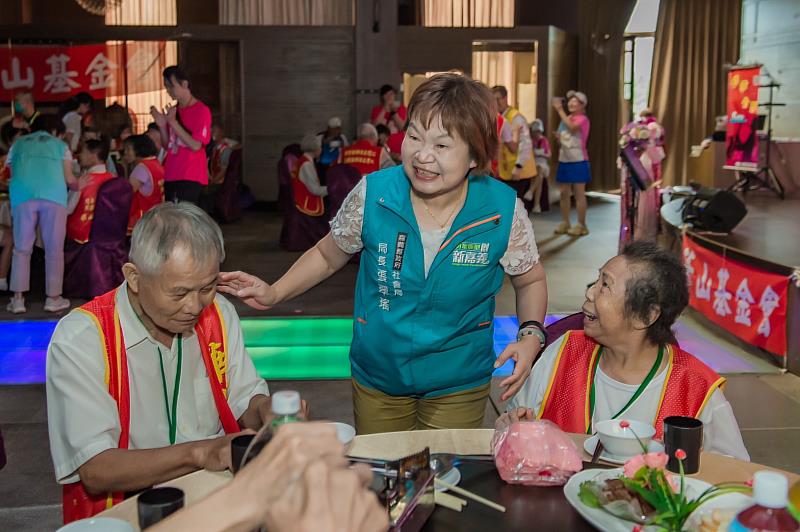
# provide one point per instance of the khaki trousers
(376, 411)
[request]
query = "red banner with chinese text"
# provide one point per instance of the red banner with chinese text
(54, 73)
(741, 137)
(744, 300)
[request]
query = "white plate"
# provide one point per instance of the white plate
(591, 443)
(451, 477)
(97, 524)
(602, 520)
(344, 432)
(729, 501)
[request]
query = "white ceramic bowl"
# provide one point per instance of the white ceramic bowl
(622, 441)
(97, 524)
(344, 432)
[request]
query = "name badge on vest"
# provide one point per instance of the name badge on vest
(399, 251)
(471, 254)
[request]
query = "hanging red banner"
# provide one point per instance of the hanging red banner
(54, 73)
(746, 301)
(741, 137)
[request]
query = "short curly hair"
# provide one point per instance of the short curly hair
(659, 283)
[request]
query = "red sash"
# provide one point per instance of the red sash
(500, 122)
(210, 330)
(79, 223)
(364, 156)
(140, 203)
(304, 200)
(687, 388)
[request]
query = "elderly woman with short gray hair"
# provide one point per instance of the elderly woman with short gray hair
(151, 380)
(306, 188)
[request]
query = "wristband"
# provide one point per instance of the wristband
(536, 328)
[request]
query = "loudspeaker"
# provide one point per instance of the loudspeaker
(713, 209)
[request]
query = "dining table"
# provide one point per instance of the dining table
(527, 507)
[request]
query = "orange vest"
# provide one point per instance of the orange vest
(140, 203)
(364, 156)
(79, 223)
(77, 502)
(304, 200)
(687, 387)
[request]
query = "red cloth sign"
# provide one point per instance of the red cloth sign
(741, 137)
(744, 300)
(54, 73)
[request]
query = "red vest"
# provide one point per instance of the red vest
(140, 203)
(79, 223)
(304, 200)
(500, 122)
(77, 502)
(687, 388)
(364, 156)
(216, 159)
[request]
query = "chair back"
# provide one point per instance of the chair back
(226, 203)
(340, 179)
(111, 211)
(557, 329)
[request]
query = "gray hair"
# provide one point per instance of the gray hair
(367, 131)
(311, 143)
(170, 225)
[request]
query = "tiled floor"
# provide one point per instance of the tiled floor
(766, 403)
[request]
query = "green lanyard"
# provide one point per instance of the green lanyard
(172, 419)
(642, 387)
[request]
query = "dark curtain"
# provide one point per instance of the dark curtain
(602, 27)
(694, 41)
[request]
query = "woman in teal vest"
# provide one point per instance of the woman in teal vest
(437, 237)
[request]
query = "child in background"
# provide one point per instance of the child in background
(81, 203)
(146, 177)
(541, 154)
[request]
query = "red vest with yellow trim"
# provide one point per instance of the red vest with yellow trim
(495, 165)
(140, 203)
(364, 156)
(304, 200)
(687, 388)
(210, 330)
(79, 223)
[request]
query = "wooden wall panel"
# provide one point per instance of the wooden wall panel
(771, 36)
(295, 78)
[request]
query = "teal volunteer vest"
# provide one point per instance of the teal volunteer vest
(421, 337)
(37, 169)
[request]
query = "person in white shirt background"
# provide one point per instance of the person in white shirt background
(73, 111)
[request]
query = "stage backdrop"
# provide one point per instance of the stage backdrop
(741, 138)
(54, 73)
(745, 300)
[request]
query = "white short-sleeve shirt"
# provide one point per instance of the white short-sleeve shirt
(521, 254)
(83, 419)
(720, 430)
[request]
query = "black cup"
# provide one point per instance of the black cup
(156, 504)
(239, 446)
(685, 433)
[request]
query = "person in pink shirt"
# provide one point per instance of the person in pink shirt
(185, 131)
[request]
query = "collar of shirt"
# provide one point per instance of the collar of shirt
(97, 169)
(133, 330)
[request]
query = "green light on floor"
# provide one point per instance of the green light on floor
(299, 348)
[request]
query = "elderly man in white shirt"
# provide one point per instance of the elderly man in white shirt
(151, 381)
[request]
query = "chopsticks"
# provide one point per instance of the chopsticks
(470, 495)
(451, 502)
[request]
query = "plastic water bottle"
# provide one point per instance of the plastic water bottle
(286, 406)
(769, 513)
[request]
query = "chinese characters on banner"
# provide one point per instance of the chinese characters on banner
(741, 137)
(54, 73)
(745, 300)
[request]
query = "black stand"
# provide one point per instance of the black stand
(764, 177)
